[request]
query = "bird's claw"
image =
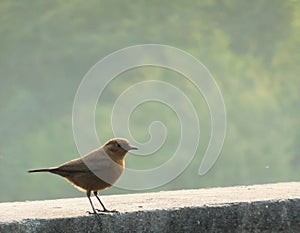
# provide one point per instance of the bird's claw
(107, 211)
(89, 212)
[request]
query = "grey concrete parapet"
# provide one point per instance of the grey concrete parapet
(257, 208)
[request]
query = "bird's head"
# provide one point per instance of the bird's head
(118, 147)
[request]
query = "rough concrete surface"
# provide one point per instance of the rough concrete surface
(258, 208)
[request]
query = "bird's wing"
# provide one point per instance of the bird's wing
(75, 165)
(94, 161)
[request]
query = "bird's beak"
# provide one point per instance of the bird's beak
(133, 148)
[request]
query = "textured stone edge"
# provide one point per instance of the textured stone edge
(260, 216)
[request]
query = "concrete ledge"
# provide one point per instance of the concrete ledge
(258, 208)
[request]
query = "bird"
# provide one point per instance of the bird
(95, 171)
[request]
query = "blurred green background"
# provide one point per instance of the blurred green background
(252, 48)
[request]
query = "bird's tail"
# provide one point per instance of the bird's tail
(51, 169)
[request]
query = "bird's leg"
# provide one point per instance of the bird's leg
(104, 209)
(88, 194)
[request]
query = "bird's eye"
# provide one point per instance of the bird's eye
(118, 145)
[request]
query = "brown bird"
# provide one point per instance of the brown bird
(97, 170)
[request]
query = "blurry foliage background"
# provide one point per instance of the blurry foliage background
(251, 47)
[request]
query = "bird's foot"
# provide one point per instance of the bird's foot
(89, 212)
(107, 211)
